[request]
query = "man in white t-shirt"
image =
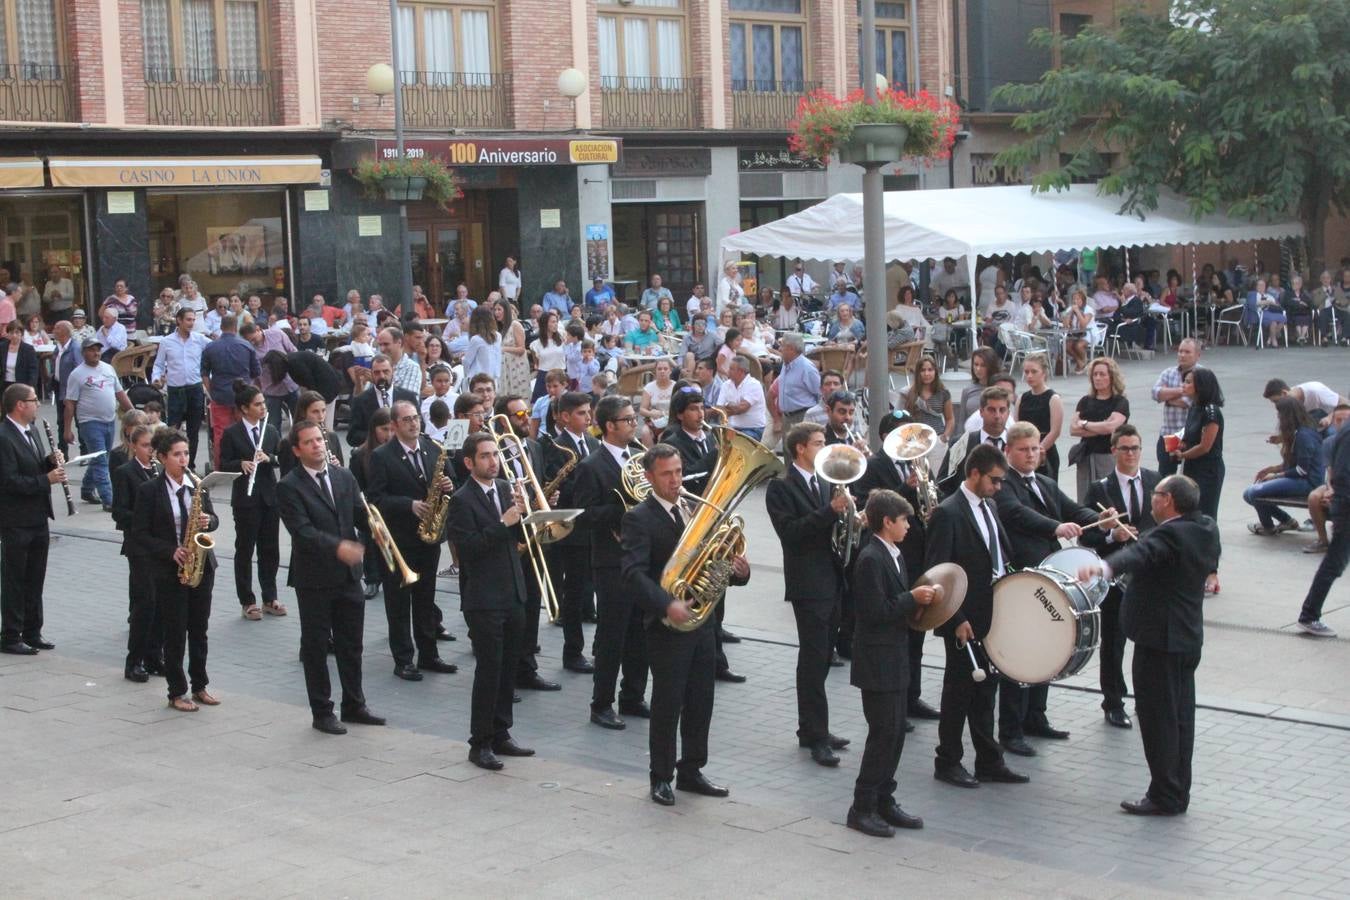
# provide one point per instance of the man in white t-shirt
(93, 396)
(800, 283)
(1314, 395)
(950, 278)
(743, 398)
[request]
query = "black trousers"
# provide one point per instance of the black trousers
(256, 526)
(186, 612)
(620, 643)
(722, 664)
(23, 571)
(145, 634)
(526, 664)
(1164, 704)
(411, 611)
(1020, 708)
(843, 630)
(817, 621)
(338, 614)
(370, 564)
(1166, 464)
(1332, 567)
(966, 702)
(496, 637)
(574, 570)
(684, 668)
(916, 639)
(885, 715)
(1210, 480)
(1112, 653)
(186, 404)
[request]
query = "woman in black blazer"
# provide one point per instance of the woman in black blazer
(20, 361)
(157, 544)
(145, 636)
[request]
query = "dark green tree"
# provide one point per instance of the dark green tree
(1239, 106)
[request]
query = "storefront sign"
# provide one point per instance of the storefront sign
(488, 151)
(649, 162)
(774, 159)
(984, 172)
(121, 202)
(20, 173)
(550, 218)
(184, 172)
(369, 226)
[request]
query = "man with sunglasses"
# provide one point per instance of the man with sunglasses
(800, 283)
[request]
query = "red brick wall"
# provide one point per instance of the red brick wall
(536, 44)
(84, 51)
(280, 23)
(133, 61)
(352, 37)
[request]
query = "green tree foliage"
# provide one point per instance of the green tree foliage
(1240, 106)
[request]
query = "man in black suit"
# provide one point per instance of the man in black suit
(683, 662)
(903, 478)
(1035, 513)
(26, 479)
(484, 525)
(379, 394)
(699, 449)
(145, 637)
(620, 640)
(995, 408)
(401, 473)
(517, 412)
(881, 667)
(803, 514)
(570, 558)
(1128, 489)
(1162, 613)
(321, 507)
(249, 447)
(965, 530)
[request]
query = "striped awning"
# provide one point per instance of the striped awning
(21, 172)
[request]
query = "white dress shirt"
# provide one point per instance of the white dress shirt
(179, 360)
(976, 507)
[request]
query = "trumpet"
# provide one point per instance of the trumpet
(379, 532)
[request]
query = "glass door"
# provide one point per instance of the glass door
(418, 238)
(449, 266)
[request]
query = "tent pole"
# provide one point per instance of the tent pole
(874, 250)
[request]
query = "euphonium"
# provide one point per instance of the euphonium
(197, 542)
(841, 465)
(379, 533)
(431, 526)
(912, 443)
(700, 568)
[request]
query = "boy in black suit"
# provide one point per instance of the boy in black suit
(145, 635)
(249, 447)
(884, 604)
(570, 558)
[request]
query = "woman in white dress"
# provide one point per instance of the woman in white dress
(516, 379)
(508, 280)
(484, 353)
(548, 352)
(655, 401)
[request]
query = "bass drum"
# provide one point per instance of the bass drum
(1045, 626)
(1070, 560)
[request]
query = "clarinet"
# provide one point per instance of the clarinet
(60, 463)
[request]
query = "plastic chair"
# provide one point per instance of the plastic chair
(1230, 317)
(1022, 344)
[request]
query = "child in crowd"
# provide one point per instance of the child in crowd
(438, 420)
(555, 384)
(442, 388)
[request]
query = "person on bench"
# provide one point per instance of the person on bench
(1298, 472)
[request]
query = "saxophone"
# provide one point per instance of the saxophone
(432, 524)
(197, 542)
(563, 472)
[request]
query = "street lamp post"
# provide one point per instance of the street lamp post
(404, 245)
(874, 247)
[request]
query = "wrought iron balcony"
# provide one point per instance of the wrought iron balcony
(671, 103)
(766, 105)
(210, 97)
(457, 99)
(37, 93)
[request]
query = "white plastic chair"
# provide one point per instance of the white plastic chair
(1230, 317)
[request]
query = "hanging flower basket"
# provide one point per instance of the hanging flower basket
(897, 126)
(397, 187)
(408, 179)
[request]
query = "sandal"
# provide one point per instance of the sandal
(252, 613)
(182, 704)
(204, 698)
(274, 609)
(1261, 530)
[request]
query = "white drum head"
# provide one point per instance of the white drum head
(1033, 632)
(1070, 560)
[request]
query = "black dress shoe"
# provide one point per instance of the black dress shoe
(328, 724)
(844, 650)
(697, 784)
(869, 823)
(136, 673)
(727, 637)
(535, 683)
(507, 746)
(1045, 731)
(920, 710)
(19, 648)
(371, 590)
(607, 718)
(733, 677)
(639, 710)
(838, 743)
(484, 758)
(836, 661)
(362, 716)
(894, 815)
(581, 665)
(822, 755)
(1118, 718)
(1002, 775)
(436, 664)
(443, 635)
(408, 672)
(1145, 806)
(662, 794)
(1018, 746)
(154, 667)
(37, 643)
(956, 775)
(89, 498)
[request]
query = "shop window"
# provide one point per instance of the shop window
(443, 44)
(197, 40)
(227, 241)
(41, 239)
(768, 48)
(643, 47)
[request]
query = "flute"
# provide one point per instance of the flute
(262, 438)
(60, 463)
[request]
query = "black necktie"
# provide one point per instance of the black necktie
(995, 558)
(492, 498)
(624, 455)
(679, 519)
(182, 514)
(1034, 490)
(702, 447)
(32, 442)
(1134, 500)
(384, 397)
(415, 460)
(815, 492)
(326, 487)
(997, 442)
(581, 447)
(257, 441)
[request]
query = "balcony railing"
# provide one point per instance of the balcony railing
(457, 99)
(766, 105)
(650, 102)
(37, 93)
(210, 97)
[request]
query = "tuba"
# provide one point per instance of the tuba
(840, 465)
(432, 524)
(912, 443)
(700, 568)
(197, 542)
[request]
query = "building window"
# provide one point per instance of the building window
(199, 40)
(29, 39)
(642, 48)
(892, 43)
(446, 44)
(768, 48)
(1072, 23)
